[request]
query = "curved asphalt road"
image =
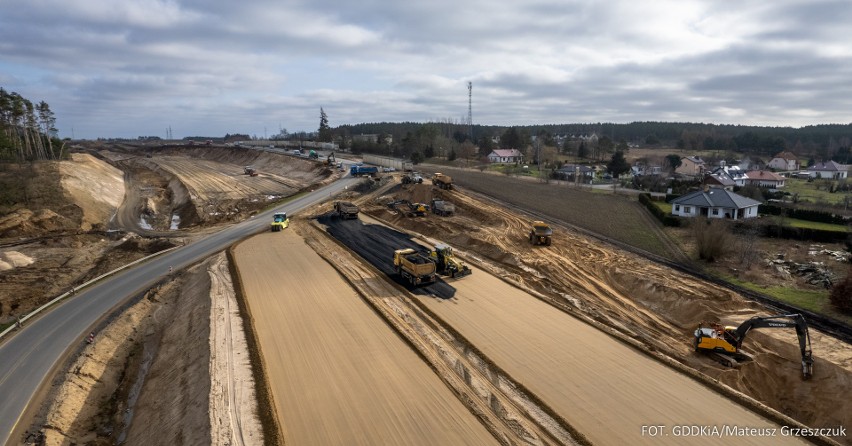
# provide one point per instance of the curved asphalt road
(28, 358)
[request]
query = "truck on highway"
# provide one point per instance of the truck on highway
(345, 209)
(414, 267)
(357, 171)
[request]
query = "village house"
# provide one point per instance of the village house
(732, 173)
(690, 166)
(784, 161)
(715, 202)
(829, 170)
(505, 156)
(765, 178)
(570, 171)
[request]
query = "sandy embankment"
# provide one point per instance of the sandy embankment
(95, 186)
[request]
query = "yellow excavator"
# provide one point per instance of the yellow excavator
(447, 262)
(725, 342)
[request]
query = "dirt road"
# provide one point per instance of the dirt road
(338, 373)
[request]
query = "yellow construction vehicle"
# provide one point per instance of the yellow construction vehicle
(329, 161)
(442, 181)
(725, 342)
(447, 263)
(414, 267)
(540, 233)
(279, 222)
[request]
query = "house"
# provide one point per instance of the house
(641, 170)
(690, 166)
(765, 178)
(829, 170)
(751, 163)
(732, 173)
(719, 180)
(568, 172)
(714, 202)
(505, 156)
(784, 161)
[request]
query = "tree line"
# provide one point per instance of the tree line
(821, 142)
(27, 130)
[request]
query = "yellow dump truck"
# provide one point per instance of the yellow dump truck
(442, 181)
(540, 233)
(414, 267)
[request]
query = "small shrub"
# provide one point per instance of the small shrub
(841, 294)
(712, 238)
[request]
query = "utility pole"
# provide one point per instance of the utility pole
(470, 109)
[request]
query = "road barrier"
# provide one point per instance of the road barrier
(78, 288)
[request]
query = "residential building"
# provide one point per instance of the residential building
(751, 163)
(505, 156)
(765, 178)
(642, 170)
(715, 202)
(691, 166)
(732, 173)
(569, 171)
(829, 170)
(719, 180)
(784, 161)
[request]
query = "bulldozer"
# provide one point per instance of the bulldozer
(540, 233)
(725, 342)
(447, 262)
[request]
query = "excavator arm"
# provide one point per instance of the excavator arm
(796, 321)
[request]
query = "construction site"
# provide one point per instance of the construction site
(408, 309)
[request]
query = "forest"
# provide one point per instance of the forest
(27, 130)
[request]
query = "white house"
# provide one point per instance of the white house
(765, 178)
(715, 202)
(829, 170)
(505, 156)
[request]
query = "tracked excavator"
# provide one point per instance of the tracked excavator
(725, 342)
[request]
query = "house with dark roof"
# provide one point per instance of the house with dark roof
(715, 202)
(784, 161)
(719, 180)
(570, 172)
(830, 170)
(732, 173)
(505, 156)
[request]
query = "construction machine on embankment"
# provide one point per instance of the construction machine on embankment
(540, 233)
(725, 342)
(414, 267)
(279, 222)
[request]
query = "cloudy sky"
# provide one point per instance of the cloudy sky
(125, 68)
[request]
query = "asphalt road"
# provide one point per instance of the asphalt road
(376, 244)
(28, 358)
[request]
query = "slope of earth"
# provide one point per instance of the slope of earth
(618, 217)
(177, 187)
(605, 389)
(55, 229)
(337, 372)
(655, 305)
(157, 372)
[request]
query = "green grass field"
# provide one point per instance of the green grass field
(815, 225)
(809, 192)
(813, 300)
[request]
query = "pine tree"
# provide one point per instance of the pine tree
(324, 129)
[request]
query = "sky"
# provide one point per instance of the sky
(128, 68)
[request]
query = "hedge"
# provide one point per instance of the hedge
(803, 214)
(810, 234)
(665, 219)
